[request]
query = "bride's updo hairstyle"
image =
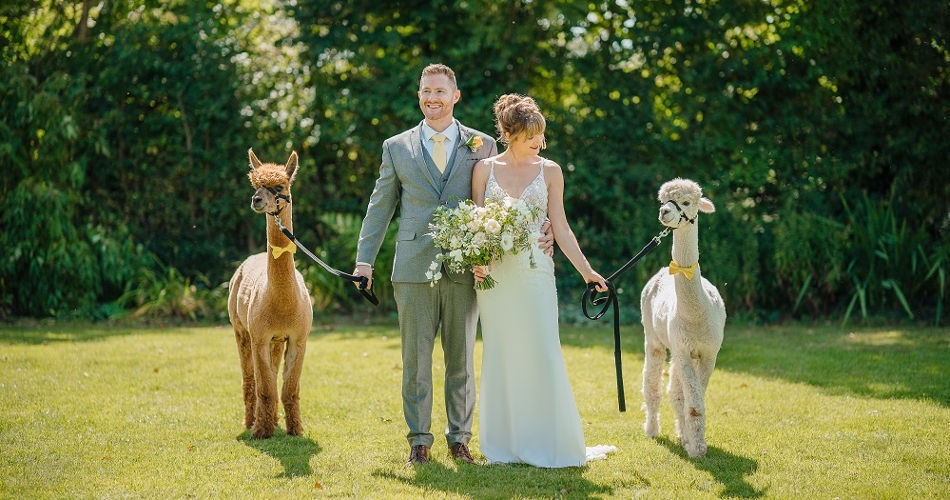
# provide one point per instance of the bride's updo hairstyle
(516, 114)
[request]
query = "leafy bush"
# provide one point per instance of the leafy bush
(51, 266)
(162, 292)
(124, 125)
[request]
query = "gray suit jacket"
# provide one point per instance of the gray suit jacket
(405, 180)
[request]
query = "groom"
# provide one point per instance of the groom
(423, 168)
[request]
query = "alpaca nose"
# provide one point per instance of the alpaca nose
(664, 210)
(257, 203)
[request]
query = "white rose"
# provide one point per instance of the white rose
(492, 226)
(479, 239)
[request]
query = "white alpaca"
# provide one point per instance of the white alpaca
(682, 313)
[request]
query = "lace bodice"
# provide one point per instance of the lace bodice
(535, 194)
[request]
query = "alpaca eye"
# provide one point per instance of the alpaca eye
(685, 203)
(279, 188)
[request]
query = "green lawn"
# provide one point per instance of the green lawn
(91, 411)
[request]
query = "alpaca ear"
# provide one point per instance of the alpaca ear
(706, 206)
(291, 166)
(255, 163)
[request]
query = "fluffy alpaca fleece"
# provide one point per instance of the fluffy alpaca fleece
(270, 310)
(685, 315)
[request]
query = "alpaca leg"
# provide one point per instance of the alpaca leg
(293, 366)
(704, 367)
(276, 355)
(695, 429)
(247, 374)
(266, 385)
(654, 359)
(675, 390)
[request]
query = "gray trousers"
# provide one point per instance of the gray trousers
(423, 309)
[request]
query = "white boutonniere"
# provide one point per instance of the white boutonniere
(473, 143)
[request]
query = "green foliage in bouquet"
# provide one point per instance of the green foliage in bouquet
(475, 236)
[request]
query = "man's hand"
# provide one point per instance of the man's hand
(547, 239)
(365, 271)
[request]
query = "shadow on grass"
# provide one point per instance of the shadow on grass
(886, 363)
(39, 333)
(499, 481)
(293, 452)
(727, 469)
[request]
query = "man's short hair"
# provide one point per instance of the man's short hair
(438, 69)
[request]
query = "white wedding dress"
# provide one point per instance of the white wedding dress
(527, 412)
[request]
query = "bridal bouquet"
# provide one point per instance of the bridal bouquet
(471, 236)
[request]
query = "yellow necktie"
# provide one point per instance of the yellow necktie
(687, 271)
(438, 152)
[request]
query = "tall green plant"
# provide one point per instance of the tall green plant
(810, 260)
(893, 265)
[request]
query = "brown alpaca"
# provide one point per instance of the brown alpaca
(269, 307)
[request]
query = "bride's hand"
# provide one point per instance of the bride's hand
(594, 277)
(481, 272)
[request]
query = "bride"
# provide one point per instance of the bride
(527, 412)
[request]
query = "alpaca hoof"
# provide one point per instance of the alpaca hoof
(652, 428)
(294, 430)
(696, 450)
(262, 433)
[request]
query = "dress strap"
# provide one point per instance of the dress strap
(491, 174)
(490, 182)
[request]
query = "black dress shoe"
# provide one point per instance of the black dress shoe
(460, 452)
(418, 455)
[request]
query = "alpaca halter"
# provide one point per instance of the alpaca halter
(682, 212)
(278, 197)
(687, 271)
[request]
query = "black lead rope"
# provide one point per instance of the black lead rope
(590, 296)
(370, 295)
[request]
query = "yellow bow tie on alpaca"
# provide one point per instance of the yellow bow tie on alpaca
(278, 251)
(687, 271)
